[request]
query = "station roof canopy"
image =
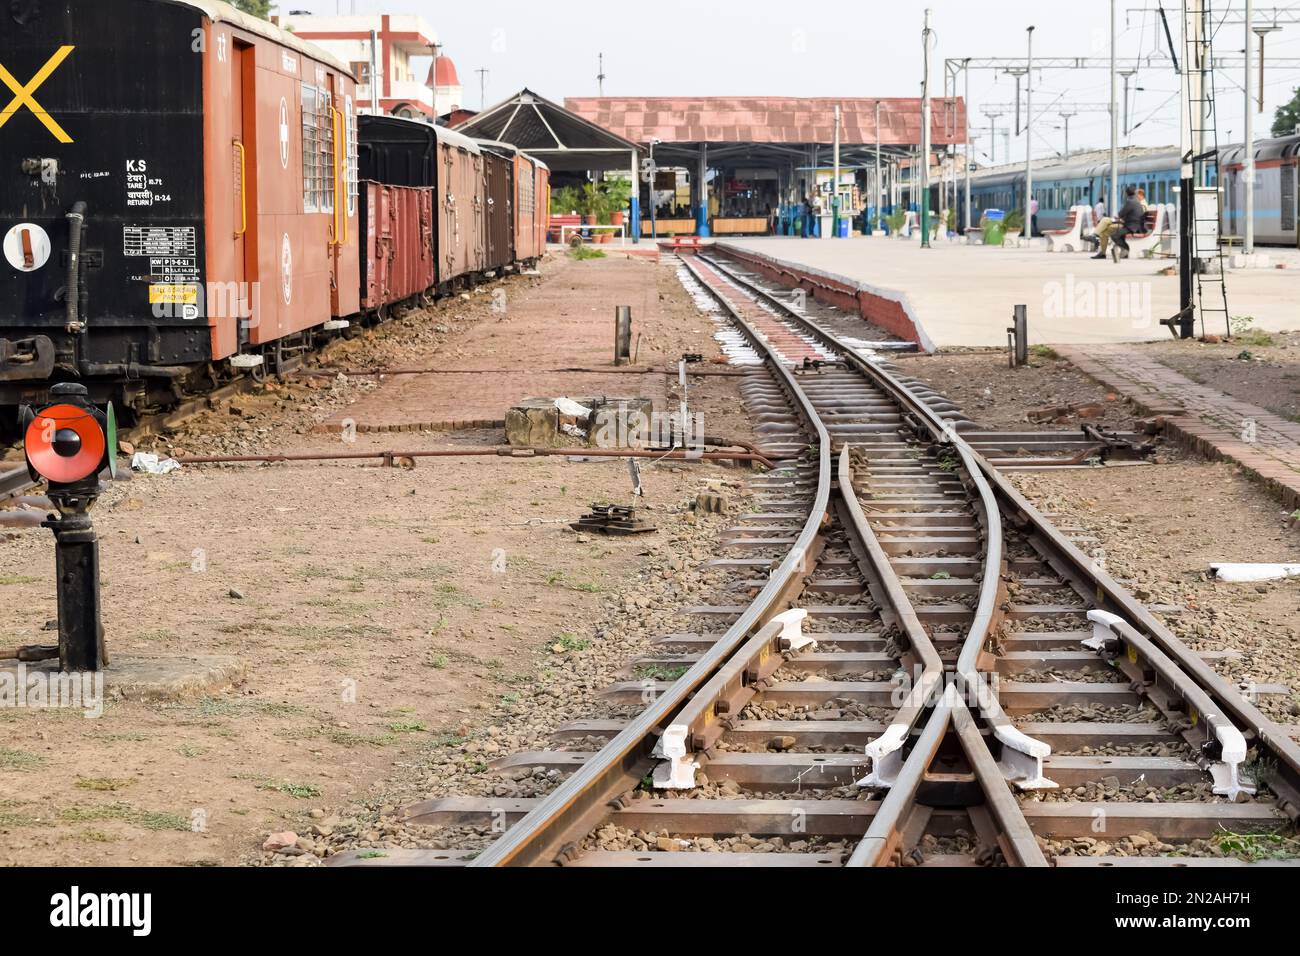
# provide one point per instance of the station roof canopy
(758, 129)
(562, 139)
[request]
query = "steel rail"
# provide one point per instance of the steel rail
(928, 685)
(1084, 571)
(14, 482)
(1017, 840)
(1089, 578)
(573, 808)
(986, 613)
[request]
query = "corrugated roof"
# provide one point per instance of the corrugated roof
(771, 119)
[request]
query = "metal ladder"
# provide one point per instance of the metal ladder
(1211, 288)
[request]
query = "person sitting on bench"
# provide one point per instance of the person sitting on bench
(1132, 221)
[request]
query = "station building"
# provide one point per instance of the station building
(399, 40)
(746, 165)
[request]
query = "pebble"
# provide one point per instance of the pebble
(280, 841)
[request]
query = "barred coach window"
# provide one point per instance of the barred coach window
(317, 151)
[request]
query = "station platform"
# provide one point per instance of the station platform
(959, 295)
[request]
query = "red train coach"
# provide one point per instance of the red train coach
(404, 152)
(187, 204)
(397, 228)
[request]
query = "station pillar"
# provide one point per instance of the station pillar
(634, 209)
(702, 210)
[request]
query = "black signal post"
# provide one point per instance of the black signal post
(69, 443)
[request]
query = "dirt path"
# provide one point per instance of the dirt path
(379, 612)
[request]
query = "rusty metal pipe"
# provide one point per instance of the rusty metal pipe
(503, 451)
(611, 370)
(30, 653)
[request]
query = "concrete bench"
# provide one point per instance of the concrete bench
(1158, 227)
(1070, 239)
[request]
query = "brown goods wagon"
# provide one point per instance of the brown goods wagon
(280, 179)
(543, 214)
(460, 206)
(397, 241)
(499, 169)
(527, 210)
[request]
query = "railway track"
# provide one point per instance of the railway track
(906, 664)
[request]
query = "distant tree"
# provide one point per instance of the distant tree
(258, 8)
(1287, 117)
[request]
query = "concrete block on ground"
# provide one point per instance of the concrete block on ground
(163, 678)
(608, 422)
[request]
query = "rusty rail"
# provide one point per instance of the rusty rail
(1189, 678)
(570, 812)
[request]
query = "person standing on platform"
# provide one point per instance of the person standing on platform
(1033, 217)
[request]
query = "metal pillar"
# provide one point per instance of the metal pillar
(374, 74)
(1127, 74)
(879, 199)
(925, 135)
(1066, 118)
(1018, 337)
(635, 207)
(622, 334)
(654, 172)
(835, 179)
(1189, 147)
(1029, 136)
(1248, 243)
(969, 145)
(1113, 206)
(702, 211)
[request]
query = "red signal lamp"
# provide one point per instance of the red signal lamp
(70, 441)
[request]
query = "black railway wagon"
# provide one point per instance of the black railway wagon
(102, 174)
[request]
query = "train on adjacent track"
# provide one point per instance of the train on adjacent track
(210, 200)
(1058, 186)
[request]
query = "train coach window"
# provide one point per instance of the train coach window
(351, 120)
(317, 151)
(527, 194)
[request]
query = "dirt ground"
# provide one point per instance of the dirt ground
(999, 397)
(380, 612)
(1258, 367)
(1160, 527)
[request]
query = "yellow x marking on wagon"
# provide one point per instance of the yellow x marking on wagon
(23, 95)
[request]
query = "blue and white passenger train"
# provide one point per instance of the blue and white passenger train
(1064, 184)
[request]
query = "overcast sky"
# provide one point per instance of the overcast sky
(778, 47)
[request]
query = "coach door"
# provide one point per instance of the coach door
(1288, 176)
(243, 94)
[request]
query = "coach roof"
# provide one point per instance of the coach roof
(220, 12)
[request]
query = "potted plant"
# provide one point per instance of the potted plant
(1014, 224)
(618, 192)
(896, 220)
(588, 206)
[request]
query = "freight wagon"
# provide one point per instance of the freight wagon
(209, 202)
(184, 195)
